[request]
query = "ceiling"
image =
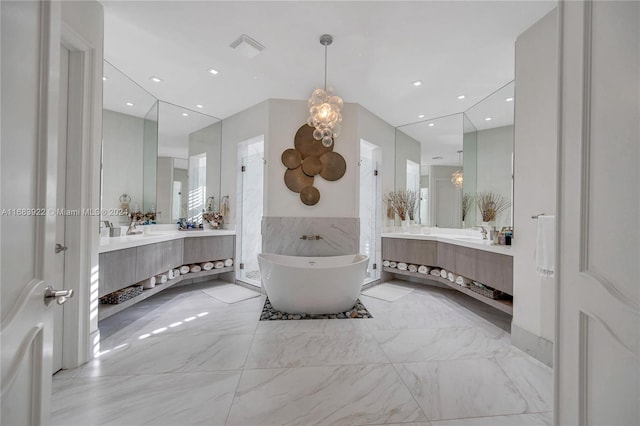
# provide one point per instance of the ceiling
(380, 48)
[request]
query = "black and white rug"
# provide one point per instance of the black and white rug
(270, 314)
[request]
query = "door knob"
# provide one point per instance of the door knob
(60, 296)
(60, 247)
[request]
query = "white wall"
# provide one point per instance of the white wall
(407, 148)
(121, 159)
(535, 170)
(494, 151)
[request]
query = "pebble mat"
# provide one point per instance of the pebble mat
(270, 314)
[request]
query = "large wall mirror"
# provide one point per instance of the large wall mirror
(156, 156)
(456, 157)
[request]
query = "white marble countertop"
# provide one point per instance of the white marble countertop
(151, 236)
(459, 240)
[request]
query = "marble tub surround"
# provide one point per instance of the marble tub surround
(282, 235)
(227, 367)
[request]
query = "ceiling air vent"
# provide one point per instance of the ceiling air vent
(247, 46)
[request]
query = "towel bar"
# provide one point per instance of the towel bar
(537, 215)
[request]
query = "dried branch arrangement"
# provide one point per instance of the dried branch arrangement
(491, 205)
(467, 202)
(403, 203)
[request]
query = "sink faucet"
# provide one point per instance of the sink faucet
(136, 219)
(483, 231)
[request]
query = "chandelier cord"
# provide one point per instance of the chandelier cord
(325, 67)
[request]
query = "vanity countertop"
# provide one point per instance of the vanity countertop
(459, 240)
(108, 244)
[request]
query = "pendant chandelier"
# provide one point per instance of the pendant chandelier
(324, 106)
(457, 177)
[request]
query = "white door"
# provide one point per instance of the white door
(448, 204)
(370, 207)
(597, 364)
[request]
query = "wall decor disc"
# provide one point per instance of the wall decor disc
(333, 165)
(295, 179)
(307, 145)
(291, 158)
(311, 166)
(310, 195)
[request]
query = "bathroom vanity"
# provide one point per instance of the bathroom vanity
(130, 259)
(472, 258)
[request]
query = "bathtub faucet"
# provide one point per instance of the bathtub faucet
(311, 237)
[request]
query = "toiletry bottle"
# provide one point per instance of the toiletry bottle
(507, 238)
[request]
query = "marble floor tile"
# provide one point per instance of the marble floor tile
(443, 344)
(346, 395)
(314, 326)
(163, 399)
(538, 419)
(456, 389)
(276, 350)
(533, 379)
(402, 319)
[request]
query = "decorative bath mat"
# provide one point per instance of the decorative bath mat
(230, 293)
(270, 314)
(388, 292)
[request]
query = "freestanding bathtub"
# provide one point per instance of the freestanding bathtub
(312, 285)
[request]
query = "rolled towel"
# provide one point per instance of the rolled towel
(464, 282)
(161, 279)
(435, 272)
(443, 273)
(423, 269)
(219, 264)
(171, 275)
(184, 269)
(228, 262)
(206, 266)
(385, 263)
(412, 268)
(149, 284)
(402, 266)
(392, 264)
(451, 277)
(195, 268)
(176, 273)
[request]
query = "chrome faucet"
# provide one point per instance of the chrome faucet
(483, 231)
(131, 230)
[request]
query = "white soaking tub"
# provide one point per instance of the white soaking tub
(312, 285)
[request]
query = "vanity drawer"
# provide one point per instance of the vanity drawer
(117, 270)
(149, 261)
(418, 252)
(204, 249)
(495, 270)
(172, 254)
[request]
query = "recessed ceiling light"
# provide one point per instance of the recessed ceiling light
(508, 99)
(461, 97)
(417, 83)
(129, 104)
(105, 78)
(155, 79)
(431, 124)
(421, 116)
(487, 119)
(199, 106)
(184, 114)
(437, 158)
(213, 71)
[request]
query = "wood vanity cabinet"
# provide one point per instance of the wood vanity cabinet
(117, 270)
(148, 261)
(204, 249)
(419, 252)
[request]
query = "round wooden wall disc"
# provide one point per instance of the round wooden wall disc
(310, 195)
(291, 158)
(295, 179)
(333, 165)
(307, 145)
(311, 166)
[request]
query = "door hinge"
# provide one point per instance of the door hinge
(375, 173)
(375, 266)
(244, 168)
(242, 266)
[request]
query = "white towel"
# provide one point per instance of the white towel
(184, 269)
(392, 264)
(423, 269)
(546, 246)
(228, 262)
(412, 268)
(176, 273)
(170, 274)
(443, 273)
(195, 268)
(206, 266)
(435, 272)
(161, 279)
(450, 277)
(219, 264)
(149, 284)
(402, 266)
(385, 263)
(464, 282)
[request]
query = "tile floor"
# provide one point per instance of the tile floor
(433, 357)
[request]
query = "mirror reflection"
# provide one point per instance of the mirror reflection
(157, 158)
(458, 157)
